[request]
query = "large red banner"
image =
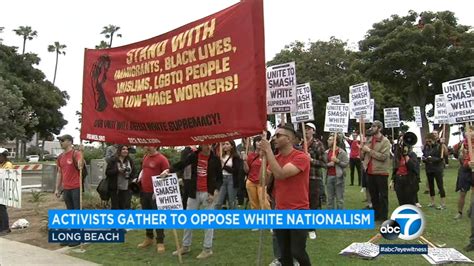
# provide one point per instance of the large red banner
(201, 83)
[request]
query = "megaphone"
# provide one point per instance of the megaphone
(410, 139)
(134, 187)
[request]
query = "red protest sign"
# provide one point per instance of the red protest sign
(203, 82)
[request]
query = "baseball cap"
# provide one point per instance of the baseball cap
(377, 123)
(66, 137)
(4, 151)
(311, 125)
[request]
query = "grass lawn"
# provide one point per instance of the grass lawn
(239, 247)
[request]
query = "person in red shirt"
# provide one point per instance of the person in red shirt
(68, 176)
(290, 170)
(252, 167)
(406, 174)
(354, 157)
(154, 163)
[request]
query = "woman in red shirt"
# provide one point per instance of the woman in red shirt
(252, 167)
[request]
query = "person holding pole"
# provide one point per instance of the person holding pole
(290, 171)
(376, 160)
(206, 179)
(336, 161)
(434, 166)
(154, 163)
(252, 165)
(69, 164)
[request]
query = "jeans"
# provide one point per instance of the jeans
(148, 203)
(378, 189)
(4, 222)
(355, 163)
(120, 199)
(335, 190)
(194, 204)
(292, 243)
(227, 188)
(256, 193)
(71, 198)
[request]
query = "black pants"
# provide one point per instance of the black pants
(355, 162)
(72, 198)
(120, 199)
(406, 188)
(148, 203)
(438, 176)
(292, 243)
(314, 203)
(378, 189)
(4, 222)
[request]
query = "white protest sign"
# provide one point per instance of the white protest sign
(334, 99)
(359, 98)
(10, 187)
(391, 117)
(365, 250)
(167, 193)
(337, 117)
(417, 114)
(368, 118)
(304, 104)
(440, 112)
(281, 88)
(445, 256)
(459, 97)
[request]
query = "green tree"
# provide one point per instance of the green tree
(109, 32)
(58, 49)
(1, 31)
(102, 45)
(413, 55)
(27, 33)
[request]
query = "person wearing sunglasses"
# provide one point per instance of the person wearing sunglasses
(290, 171)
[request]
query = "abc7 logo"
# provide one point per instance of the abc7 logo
(407, 222)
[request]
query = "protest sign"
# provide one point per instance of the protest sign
(359, 99)
(440, 112)
(201, 83)
(364, 250)
(459, 98)
(445, 256)
(391, 117)
(304, 102)
(337, 117)
(369, 117)
(334, 99)
(10, 187)
(281, 88)
(167, 192)
(417, 114)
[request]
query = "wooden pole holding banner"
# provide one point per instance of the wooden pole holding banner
(247, 145)
(393, 135)
(283, 119)
(81, 160)
(262, 200)
(442, 134)
(305, 141)
(334, 145)
(175, 234)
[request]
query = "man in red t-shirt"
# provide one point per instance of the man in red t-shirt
(290, 169)
(154, 163)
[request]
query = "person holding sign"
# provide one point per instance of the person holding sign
(354, 156)
(406, 173)
(434, 167)
(336, 160)
(203, 188)
(376, 160)
(233, 173)
(468, 167)
(154, 163)
(4, 221)
(290, 171)
(252, 165)
(120, 172)
(464, 178)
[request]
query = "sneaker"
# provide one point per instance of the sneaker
(295, 263)
(183, 250)
(275, 262)
(312, 235)
(160, 248)
(458, 216)
(146, 243)
(205, 253)
(431, 205)
(362, 190)
(469, 247)
(254, 230)
(441, 207)
(418, 205)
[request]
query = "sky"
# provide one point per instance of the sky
(78, 24)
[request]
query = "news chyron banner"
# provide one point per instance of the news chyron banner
(459, 98)
(203, 82)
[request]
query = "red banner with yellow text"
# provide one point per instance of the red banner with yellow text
(201, 83)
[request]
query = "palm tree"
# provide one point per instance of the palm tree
(1, 31)
(109, 32)
(27, 33)
(59, 49)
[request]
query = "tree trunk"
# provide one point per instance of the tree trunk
(17, 150)
(111, 39)
(24, 44)
(56, 66)
(424, 130)
(42, 148)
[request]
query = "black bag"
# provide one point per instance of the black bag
(103, 189)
